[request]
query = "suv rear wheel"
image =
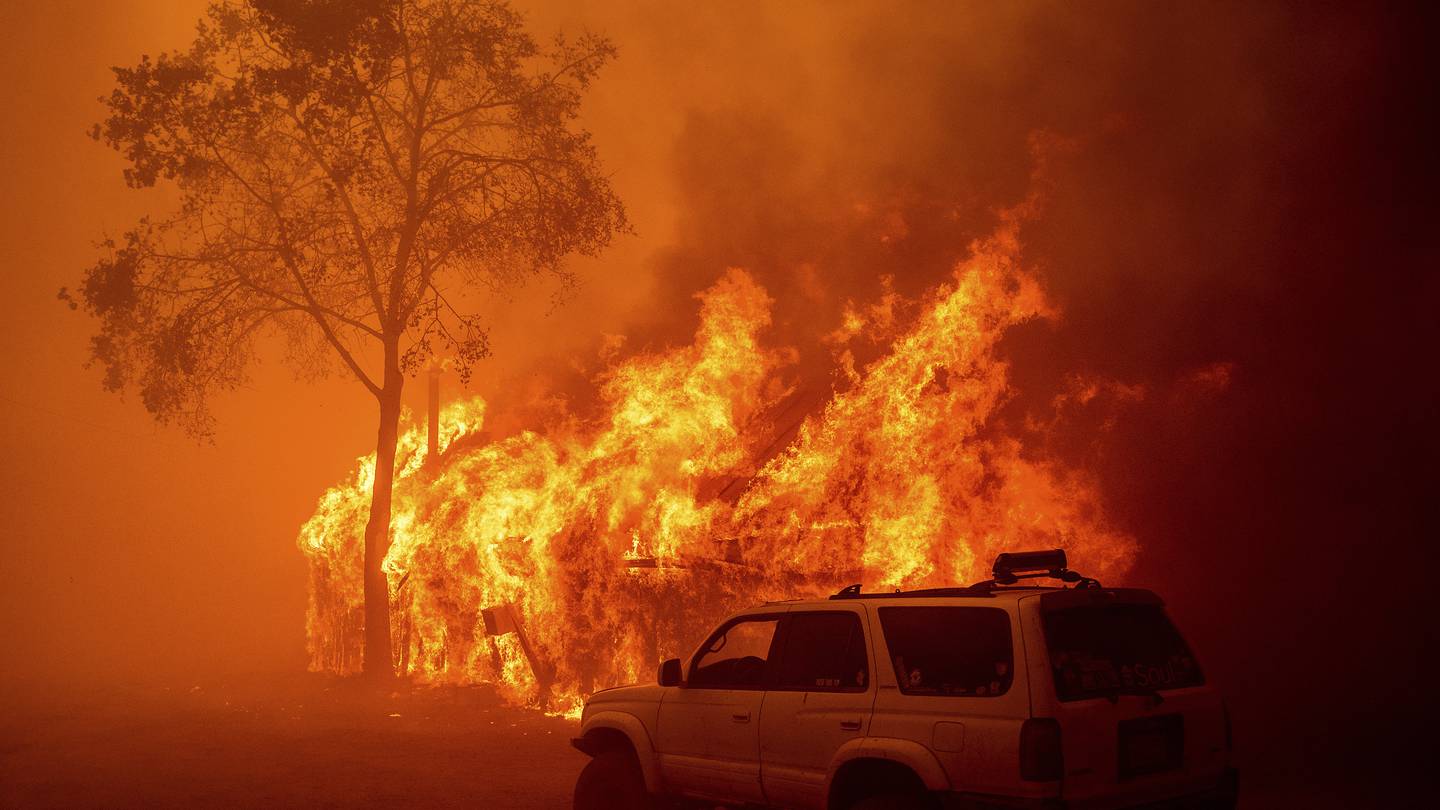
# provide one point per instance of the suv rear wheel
(612, 781)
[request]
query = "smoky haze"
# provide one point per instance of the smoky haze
(1228, 234)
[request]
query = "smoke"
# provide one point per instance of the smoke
(1235, 244)
(840, 152)
(1230, 242)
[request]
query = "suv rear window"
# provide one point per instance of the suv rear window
(823, 651)
(1103, 649)
(952, 651)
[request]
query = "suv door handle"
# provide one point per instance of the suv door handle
(849, 725)
(740, 717)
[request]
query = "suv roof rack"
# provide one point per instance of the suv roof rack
(1009, 568)
(853, 592)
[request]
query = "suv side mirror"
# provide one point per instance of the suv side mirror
(670, 672)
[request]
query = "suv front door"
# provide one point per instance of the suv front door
(820, 697)
(707, 729)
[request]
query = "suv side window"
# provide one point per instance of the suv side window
(951, 651)
(823, 651)
(736, 657)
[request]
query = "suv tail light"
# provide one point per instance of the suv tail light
(1041, 758)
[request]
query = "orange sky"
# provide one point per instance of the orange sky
(115, 525)
(129, 548)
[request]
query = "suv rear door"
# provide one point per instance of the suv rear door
(820, 696)
(948, 679)
(1137, 718)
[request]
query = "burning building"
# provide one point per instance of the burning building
(575, 555)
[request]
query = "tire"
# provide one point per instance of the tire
(612, 781)
(896, 801)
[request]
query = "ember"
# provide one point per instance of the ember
(576, 555)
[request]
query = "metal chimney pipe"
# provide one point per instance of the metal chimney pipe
(432, 436)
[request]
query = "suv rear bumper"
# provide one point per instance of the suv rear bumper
(1221, 795)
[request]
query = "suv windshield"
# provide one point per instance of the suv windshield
(1098, 650)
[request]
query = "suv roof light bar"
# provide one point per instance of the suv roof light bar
(1010, 565)
(1013, 566)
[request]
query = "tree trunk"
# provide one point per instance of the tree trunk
(378, 661)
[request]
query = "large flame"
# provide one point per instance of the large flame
(714, 480)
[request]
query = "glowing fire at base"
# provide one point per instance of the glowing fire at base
(554, 564)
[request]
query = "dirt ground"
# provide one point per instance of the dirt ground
(313, 741)
(303, 742)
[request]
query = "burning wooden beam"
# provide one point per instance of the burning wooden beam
(504, 619)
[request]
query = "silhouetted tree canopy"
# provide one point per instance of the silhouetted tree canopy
(348, 170)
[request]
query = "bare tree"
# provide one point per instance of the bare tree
(351, 173)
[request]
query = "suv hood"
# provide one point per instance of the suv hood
(636, 693)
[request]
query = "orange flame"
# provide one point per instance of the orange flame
(610, 544)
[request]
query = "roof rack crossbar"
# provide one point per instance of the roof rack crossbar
(1010, 567)
(854, 592)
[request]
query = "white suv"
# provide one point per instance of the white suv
(994, 695)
